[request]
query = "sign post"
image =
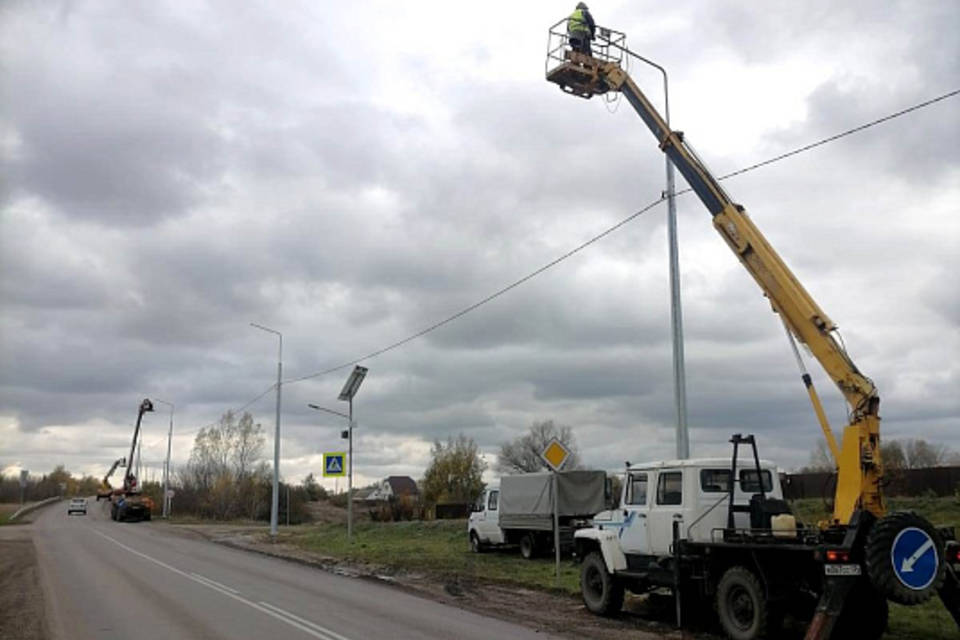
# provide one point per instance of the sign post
(24, 474)
(554, 455)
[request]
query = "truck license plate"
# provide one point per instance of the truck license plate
(842, 569)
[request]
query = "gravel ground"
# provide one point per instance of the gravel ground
(22, 615)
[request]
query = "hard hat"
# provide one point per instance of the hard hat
(582, 5)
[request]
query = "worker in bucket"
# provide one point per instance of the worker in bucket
(581, 29)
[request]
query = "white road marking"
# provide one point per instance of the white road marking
(213, 582)
(313, 629)
(332, 634)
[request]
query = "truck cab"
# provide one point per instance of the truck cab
(692, 493)
(483, 526)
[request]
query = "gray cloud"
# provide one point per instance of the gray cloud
(174, 175)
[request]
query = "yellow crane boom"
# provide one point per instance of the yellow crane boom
(858, 457)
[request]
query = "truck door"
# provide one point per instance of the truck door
(489, 525)
(667, 507)
(636, 506)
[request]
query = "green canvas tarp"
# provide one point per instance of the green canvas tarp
(526, 501)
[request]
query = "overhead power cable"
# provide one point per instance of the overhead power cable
(608, 231)
(238, 410)
(844, 134)
(484, 301)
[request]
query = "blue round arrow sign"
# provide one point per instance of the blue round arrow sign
(915, 559)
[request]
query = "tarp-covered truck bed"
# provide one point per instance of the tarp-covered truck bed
(526, 501)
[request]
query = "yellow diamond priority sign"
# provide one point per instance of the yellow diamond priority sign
(555, 454)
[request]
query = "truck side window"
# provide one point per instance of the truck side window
(715, 480)
(492, 502)
(670, 488)
(748, 480)
(637, 489)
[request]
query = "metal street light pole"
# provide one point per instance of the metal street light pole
(166, 465)
(274, 505)
(676, 312)
(350, 474)
(349, 390)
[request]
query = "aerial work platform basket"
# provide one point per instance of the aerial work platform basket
(577, 73)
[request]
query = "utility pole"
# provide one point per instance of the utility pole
(275, 503)
(166, 464)
(676, 311)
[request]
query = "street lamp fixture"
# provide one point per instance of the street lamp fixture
(353, 383)
(274, 505)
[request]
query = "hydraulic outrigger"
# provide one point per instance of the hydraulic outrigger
(860, 521)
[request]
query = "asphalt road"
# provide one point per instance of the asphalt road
(103, 579)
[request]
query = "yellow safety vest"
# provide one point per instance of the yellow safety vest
(577, 25)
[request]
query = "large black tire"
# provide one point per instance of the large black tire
(528, 546)
(146, 516)
(865, 614)
(475, 545)
(601, 592)
(880, 560)
(742, 604)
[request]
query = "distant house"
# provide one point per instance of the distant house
(394, 487)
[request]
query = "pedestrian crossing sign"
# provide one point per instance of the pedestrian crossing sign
(334, 465)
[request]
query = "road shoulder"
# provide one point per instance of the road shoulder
(22, 613)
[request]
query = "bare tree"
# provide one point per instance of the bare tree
(922, 454)
(821, 459)
(222, 467)
(892, 455)
(523, 453)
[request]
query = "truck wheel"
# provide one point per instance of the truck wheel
(891, 541)
(601, 592)
(475, 544)
(742, 604)
(864, 615)
(528, 546)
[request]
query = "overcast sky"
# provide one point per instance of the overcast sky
(350, 173)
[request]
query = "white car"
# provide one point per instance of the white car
(77, 505)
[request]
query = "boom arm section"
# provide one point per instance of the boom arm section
(129, 480)
(105, 483)
(859, 457)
